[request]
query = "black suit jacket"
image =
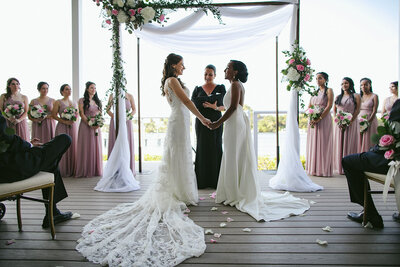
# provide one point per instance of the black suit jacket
(20, 161)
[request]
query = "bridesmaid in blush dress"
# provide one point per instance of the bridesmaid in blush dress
(319, 134)
(389, 101)
(369, 106)
(43, 128)
(67, 163)
(89, 152)
(345, 139)
(12, 97)
(131, 108)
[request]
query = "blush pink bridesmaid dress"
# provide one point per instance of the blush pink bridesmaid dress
(44, 131)
(364, 141)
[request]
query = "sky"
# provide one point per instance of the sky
(354, 38)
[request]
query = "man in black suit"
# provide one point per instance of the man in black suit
(22, 160)
(371, 161)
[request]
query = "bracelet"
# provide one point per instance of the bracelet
(216, 109)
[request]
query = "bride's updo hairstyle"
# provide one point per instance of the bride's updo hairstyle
(241, 68)
(169, 71)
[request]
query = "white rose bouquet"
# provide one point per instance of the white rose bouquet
(343, 119)
(364, 123)
(69, 114)
(38, 112)
(96, 120)
(313, 113)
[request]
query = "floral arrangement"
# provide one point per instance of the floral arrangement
(298, 71)
(13, 111)
(343, 119)
(388, 139)
(364, 123)
(313, 113)
(129, 115)
(135, 13)
(38, 112)
(70, 114)
(96, 120)
(385, 117)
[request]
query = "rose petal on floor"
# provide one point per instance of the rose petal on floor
(246, 230)
(224, 212)
(214, 208)
(202, 198)
(75, 215)
(217, 235)
(208, 232)
(222, 224)
(322, 242)
(10, 242)
(327, 229)
(213, 241)
(229, 219)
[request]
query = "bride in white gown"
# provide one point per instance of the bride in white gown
(154, 230)
(238, 182)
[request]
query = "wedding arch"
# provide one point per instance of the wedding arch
(243, 25)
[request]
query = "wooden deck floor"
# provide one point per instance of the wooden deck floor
(289, 242)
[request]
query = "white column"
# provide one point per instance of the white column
(76, 14)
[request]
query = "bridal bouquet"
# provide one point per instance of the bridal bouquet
(343, 119)
(313, 113)
(38, 112)
(364, 123)
(388, 139)
(298, 71)
(96, 120)
(129, 115)
(69, 114)
(13, 111)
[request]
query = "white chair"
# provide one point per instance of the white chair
(15, 191)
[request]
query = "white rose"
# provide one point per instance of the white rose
(148, 14)
(68, 116)
(109, 13)
(122, 17)
(293, 75)
(35, 114)
(131, 3)
(120, 3)
(133, 18)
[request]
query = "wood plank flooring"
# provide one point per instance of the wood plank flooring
(288, 242)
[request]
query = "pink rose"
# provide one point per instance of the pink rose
(132, 12)
(65, 110)
(114, 12)
(386, 117)
(16, 106)
(162, 17)
(311, 111)
(307, 78)
(139, 10)
(291, 61)
(108, 22)
(341, 118)
(300, 67)
(348, 117)
(386, 140)
(389, 154)
(336, 120)
(308, 62)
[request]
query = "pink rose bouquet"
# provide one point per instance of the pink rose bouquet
(13, 111)
(343, 119)
(69, 114)
(364, 123)
(38, 112)
(96, 120)
(313, 113)
(388, 139)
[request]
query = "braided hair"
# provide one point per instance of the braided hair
(326, 78)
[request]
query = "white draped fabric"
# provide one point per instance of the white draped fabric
(243, 28)
(291, 175)
(118, 176)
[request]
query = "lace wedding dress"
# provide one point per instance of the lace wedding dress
(154, 230)
(238, 183)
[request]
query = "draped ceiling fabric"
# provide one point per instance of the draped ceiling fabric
(243, 27)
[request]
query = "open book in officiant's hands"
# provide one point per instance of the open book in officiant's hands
(210, 98)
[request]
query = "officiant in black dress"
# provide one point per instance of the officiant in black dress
(208, 100)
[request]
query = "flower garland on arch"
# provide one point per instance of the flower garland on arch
(298, 72)
(135, 13)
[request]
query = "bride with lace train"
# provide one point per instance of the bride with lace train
(238, 179)
(154, 230)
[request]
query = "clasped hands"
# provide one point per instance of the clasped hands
(209, 124)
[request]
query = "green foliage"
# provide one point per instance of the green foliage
(268, 163)
(268, 123)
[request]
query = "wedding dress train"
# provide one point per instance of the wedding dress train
(154, 230)
(238, 183)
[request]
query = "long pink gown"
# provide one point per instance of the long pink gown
(67, 163)
(345, 142)
(319, 142)
(111, 137)
(89, 162)
(364, 141)
(44, 131)
(21, 129)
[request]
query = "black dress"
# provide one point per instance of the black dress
(209, 142)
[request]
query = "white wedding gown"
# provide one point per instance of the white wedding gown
(154, 230)
(238, 183)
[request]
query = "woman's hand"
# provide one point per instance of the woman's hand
(206, 122)
(214, 125)
(95, 127)
(67, 122)
(209, 105)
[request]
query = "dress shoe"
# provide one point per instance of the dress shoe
(354, 216)
(396, 217)
(59, 217)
